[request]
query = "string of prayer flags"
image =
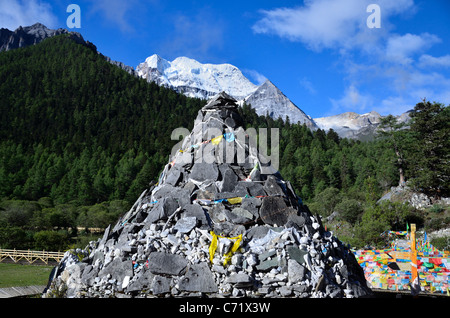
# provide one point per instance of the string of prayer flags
(229, 137)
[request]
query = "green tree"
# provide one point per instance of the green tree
(431, 153)
(51, 240)
(393, 132)
(349, 210)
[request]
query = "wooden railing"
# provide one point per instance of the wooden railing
(30, 256)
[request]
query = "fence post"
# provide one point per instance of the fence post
(415, 285)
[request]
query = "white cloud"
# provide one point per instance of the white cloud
(402, 48)
(116, 12)
(15, 13)
(335, 24)
(255, 76)
(352, 100)
(194, 36)
(308, 86)
(430, 61)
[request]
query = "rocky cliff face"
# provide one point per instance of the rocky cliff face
(220, 222)
(30, 35)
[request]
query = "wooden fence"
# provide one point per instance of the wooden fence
(29, 256)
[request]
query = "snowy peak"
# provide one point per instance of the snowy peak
(196, 79)
(268, 99)
(349, 120)
(354, 126)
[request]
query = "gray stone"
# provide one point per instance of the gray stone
(296, 220)
(257, 232)
(166, 263)
(253, 188)
(218, 213)
(173, 176)
(275, 211)
(186, 224)
(285, 291)
(320, 284)
(296, 272)
(271, 186)
(198, 278)
(118, 269)
(180, 195)
(89, 274)
(267, 254)
(228, 229)
(240, 216)
(240, 190)
(162, 209)
(252, 205)
(267, 265)
(202, 172)
(160, 285)
(195, 210)
(296, 254)
(142, 280)
(229, 180)
(240, 280)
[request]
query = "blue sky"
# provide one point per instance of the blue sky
(320, 53)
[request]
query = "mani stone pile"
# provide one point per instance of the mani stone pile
(220, 222)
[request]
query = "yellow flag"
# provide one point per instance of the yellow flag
(216, 141)
(234, 200)
(213, 247)
(233, 249)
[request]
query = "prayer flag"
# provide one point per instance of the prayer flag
(229, 137)
(217, 140)
(234, 200)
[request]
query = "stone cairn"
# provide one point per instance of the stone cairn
(217, 228)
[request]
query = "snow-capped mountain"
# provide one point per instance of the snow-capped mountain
(354, 126)
(195, 79)
(199, 80)
(268, 99)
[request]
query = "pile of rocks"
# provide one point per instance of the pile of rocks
(220, 222)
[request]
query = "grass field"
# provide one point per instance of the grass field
(12, 275)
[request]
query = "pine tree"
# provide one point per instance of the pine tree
(431, 151)
(393, 132)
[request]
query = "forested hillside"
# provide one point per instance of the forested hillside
(76, 128)
(81, 138)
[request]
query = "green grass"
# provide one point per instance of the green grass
(12, 275)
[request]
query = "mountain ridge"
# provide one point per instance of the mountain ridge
(195, 79)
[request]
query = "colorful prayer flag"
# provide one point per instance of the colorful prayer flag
(234, 200)
(217, 140)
